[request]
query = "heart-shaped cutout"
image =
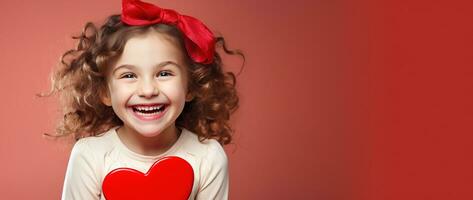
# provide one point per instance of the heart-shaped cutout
(169, 178)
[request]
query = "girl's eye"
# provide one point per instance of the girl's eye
(128, 76)
(164, 73)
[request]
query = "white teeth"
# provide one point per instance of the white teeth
(145, 114)
(147, 108)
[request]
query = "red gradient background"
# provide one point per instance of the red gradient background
(339, 99)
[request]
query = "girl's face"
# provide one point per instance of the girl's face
(147, 84)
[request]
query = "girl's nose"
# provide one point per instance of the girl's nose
(148, 89)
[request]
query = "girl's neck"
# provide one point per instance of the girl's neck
(148, 146)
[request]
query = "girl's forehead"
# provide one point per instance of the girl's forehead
(151, 46)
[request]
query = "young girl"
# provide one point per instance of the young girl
(146, 86)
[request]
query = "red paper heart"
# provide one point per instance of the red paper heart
(169, 178)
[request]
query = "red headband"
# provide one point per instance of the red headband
(199, 40)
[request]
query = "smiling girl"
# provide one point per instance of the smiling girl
(147, 85)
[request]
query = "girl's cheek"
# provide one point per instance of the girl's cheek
(122, 88)
(171, 84)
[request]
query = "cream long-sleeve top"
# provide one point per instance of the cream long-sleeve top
(92, 158)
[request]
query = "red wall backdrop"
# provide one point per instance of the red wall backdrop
(339, 99)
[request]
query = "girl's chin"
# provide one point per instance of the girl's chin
(149, 133)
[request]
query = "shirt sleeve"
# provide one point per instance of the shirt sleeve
(214, 175)
(80, 180)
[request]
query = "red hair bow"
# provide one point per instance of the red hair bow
(199, 40)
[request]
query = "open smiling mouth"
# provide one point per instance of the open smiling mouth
(149, 112)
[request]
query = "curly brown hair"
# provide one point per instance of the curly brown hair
(81, 77)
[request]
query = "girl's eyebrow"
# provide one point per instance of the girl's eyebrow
(162, 64)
